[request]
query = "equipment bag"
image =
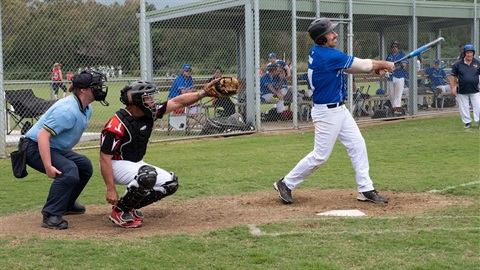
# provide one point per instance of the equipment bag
(19, 159)
(231, 123)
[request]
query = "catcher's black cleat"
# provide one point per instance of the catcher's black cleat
(283, 191)
(75, 209)
(54, 222)
(371, 196)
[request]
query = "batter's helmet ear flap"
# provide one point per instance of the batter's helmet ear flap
(319, 28)
(321, 41)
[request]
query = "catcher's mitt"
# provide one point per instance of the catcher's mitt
(224, 87)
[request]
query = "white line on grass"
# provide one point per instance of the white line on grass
(453, 187)
(254, 230)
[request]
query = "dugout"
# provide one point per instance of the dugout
(238, 34)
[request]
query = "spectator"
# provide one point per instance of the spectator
(50, 148)
(70, 76)
(396, 82)
(57, 79)
(467, 71)
(225, 102)
(461, 46)
(182, 84)
(286, 72)
(438, 78)
(271, 86)
(406, 90)
(124, 142)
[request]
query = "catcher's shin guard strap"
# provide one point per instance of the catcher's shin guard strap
(133, 195)
(170, 187)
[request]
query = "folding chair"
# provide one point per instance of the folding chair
(188, 119)
(25, 105)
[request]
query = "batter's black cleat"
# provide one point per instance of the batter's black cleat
(371, 196)
(75, 209)
(54, 222)
(283, 191)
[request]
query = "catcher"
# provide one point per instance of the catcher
(124, 143)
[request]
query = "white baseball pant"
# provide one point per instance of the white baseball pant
(331, 124)
(280, 104)
(464, 107)
(124, 172)
(395, 90)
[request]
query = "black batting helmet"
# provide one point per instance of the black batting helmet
(141, 92)
(319, 28)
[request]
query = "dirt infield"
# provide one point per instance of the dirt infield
(208, 214)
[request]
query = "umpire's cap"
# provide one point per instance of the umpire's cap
(469, 48)
(320, 27)
(88, 80)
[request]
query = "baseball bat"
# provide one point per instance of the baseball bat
(421, 49)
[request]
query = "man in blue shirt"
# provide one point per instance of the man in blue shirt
(438, 77)
(467, 71)
(50, 148)
(332, 120)
(183, 83)
(396, 82)
(271, 86)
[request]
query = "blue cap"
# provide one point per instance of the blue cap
(436, 61)
(271, 67)
(186, 67)
(272, 55)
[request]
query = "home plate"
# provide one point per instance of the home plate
(343, 213)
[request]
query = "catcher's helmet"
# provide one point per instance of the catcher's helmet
(143, 96)
(319, 28)
(469, 48)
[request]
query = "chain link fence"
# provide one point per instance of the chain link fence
(233, 38)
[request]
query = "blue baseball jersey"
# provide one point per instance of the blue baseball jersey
(65, 121)
(282, 64)
(400, 72)
(467, 76)
(180, 83)
(436, 77)
(267, 80)
(326, 76)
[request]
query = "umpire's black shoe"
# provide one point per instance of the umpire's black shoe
(54, 222)
(75, 209)
(283, 191)
(371, 196)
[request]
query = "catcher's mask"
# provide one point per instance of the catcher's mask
(94, 80)
(143, 96)
(319, 28)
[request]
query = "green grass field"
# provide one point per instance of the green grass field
(412, 157)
